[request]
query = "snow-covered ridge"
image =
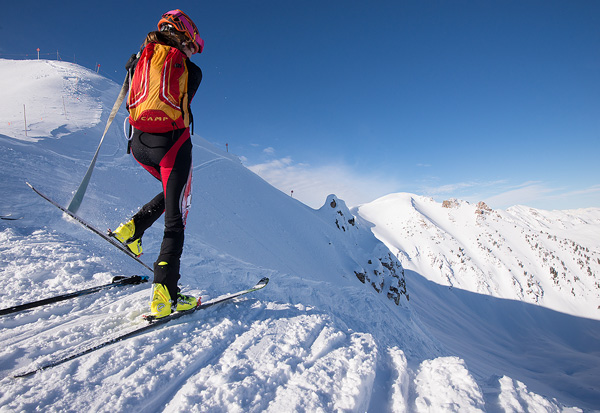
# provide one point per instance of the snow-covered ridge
(382, 270)
(333, 331)
(54, 98)
(550, 258)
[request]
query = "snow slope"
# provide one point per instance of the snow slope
(333, 331)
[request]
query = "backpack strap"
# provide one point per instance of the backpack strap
(130, 67)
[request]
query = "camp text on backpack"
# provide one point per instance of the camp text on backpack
(158, 101)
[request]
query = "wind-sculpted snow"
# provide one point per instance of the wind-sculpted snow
(333, 331)
(450, 377)
(297, 360)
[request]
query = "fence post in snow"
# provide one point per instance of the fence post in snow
(25, 119)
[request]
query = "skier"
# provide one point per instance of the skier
(160, 93)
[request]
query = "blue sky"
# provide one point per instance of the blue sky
(477, 100)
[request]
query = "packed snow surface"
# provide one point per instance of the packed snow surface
(488, 326)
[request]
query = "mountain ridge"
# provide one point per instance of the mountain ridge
(543, 257)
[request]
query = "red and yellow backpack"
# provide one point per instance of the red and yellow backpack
(158, 98)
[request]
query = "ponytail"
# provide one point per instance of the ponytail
(168, 38)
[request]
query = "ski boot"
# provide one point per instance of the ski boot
(124, 233)
(186, 302)
(160, 306)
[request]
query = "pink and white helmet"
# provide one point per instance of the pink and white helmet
(181, 22)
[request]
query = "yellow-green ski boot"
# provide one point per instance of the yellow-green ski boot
(124, 233)
(186, 302)
(160, 306)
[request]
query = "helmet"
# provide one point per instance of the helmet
(179, 21)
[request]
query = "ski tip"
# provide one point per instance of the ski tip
(263, 281)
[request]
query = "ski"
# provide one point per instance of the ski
(154, 321)
(96, 231)
(151, 324)
(116, 282)
(9, 217)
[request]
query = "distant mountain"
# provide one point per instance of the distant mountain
(548, 258)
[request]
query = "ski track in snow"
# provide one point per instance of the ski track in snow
(316, 339)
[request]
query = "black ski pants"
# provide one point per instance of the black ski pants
(168, 157)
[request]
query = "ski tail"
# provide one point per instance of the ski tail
(9, 217)
(117, 281)
(89, 350)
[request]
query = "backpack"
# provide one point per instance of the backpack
(158, 98)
